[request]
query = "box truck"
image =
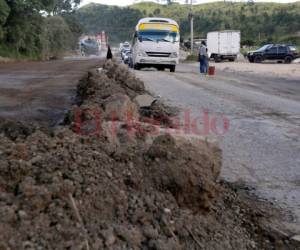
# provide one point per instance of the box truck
(224, 45)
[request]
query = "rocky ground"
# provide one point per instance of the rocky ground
(109, 178)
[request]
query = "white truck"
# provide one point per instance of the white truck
(224, 45)
(156, 44)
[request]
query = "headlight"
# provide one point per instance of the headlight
(142, 53)
(174, 54)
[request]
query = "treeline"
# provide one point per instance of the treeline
(38, 29)
(259, 22)
(118, 22)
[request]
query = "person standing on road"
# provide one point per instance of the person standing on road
(203, 58)
(109, 55)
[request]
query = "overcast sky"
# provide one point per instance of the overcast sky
(128, 2)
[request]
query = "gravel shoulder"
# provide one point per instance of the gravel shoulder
(269, 69)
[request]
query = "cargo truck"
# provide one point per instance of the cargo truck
(224, 45)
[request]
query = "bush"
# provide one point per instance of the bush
(294, 40)
(56, 38)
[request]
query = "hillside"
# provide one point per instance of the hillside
(259, 23)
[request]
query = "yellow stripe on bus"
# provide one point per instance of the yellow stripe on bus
(158, 26)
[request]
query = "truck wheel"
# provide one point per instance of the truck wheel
(258, 59)
(232, 59)
(173, 68)
(288, 59)
(160, 68)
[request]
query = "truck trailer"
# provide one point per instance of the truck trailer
(224, 45)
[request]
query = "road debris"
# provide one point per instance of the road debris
(144, 100)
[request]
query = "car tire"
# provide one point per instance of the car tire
(258, 59)
(172, 68)
(288, 59)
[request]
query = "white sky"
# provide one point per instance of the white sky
(128, 2)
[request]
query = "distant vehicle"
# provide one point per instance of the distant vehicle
(224, 45)
(156, 44)
(127, 57)
(124, 49)
(89, 47)
(278, 52)
(197, 43)
(125, 46)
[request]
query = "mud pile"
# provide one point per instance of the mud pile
(119, 187)
(114, 82)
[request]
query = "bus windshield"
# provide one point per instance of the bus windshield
(158, 36)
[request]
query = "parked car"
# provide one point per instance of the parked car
(123, 53)
(127, 57)
(124, 49)
(278, 52)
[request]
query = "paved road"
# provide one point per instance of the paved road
(40, 91)
(262, 145)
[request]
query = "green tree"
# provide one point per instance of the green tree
(156, 12)
(4, 12)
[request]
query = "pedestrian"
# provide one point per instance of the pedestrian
(109, 55)
(203, 58)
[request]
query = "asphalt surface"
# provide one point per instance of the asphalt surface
(261, 147)
(41, 91)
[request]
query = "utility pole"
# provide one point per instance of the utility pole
(191, 16)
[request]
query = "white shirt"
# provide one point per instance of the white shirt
(203, 50)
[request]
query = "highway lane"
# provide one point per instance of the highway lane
(262, 145)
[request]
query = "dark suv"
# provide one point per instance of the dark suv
(279, 52)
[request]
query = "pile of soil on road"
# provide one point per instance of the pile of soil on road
(113, 79)
(123, 188)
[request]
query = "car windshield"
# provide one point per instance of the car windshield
(264, 47)
(159, 36)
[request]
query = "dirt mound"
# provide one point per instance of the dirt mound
(14, 130)
(122, 188)
(112, 79)
(65, 190)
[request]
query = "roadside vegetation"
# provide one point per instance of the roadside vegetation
(259, 23)
(37, 29)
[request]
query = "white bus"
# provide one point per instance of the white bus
(156, 44)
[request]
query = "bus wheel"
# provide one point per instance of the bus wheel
(136, 67)
(172, 68)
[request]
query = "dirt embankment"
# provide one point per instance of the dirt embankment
(106, 181)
